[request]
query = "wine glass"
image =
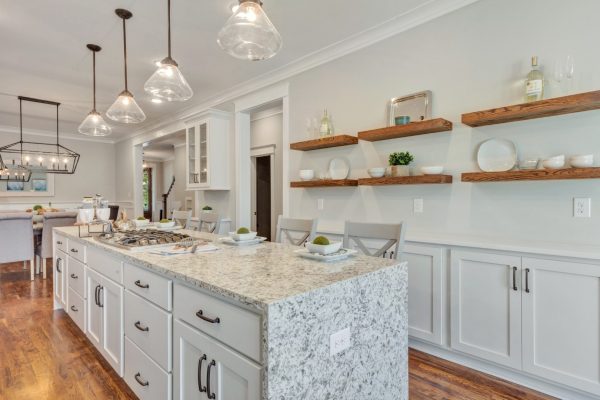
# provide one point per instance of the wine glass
(569, 71)
(558, 75)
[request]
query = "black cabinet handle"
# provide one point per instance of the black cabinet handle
(74, 251)
(74, 276)
(201, 388)
(74, 308)
(514, 278)
(100, 293)
(208, 391)
(527, 280)
(58, 242)
(138, 325)
(200, 314)
(138, 283)
(58, 261)
(138, 378)
(96, 295)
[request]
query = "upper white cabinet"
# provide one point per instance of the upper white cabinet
(486, 306)
(207, 152)
(561, 322)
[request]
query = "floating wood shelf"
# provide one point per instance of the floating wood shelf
(406, 180)
(324, 143)
(537, 109)
(411, 129)
(324, 183)
(532, 175)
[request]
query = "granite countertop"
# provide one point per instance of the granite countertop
(254, 275)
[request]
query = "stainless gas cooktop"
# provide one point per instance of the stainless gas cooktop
(141, 240)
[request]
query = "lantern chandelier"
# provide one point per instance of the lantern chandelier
(51, 158)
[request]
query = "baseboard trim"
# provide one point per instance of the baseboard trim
(518, 377)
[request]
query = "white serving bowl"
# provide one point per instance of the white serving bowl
(330, 248)
(169, 224)
(240, 237)
(307, 174)
(554, 162)
(140, 223)
(432, 169)
(376, 172)
(582, 161)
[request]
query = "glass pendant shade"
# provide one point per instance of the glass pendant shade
(249, 34)
(94, 125)
(126, 110)
(168, 83)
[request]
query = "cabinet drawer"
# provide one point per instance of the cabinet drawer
(76, 277)
(60, 243)
(149, 327)
(76, 309)
(77, 250)
(236, 327)
(147, 380)
(149, 285)
(105, 265)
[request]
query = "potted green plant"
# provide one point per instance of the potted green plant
(207, 209)
(399, 163)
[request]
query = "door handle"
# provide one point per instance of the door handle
(138, 378)
(514, 271)
(138, 283)
(526, 280)
(200, 314)
(208, 391)
(201, 388)
(138, 325)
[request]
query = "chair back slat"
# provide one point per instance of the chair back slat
(182, 218)
(356, 232)
(210, 221)
(305, 229)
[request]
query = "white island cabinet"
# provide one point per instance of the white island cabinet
(233, 325)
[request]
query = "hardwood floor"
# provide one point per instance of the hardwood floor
(44, 356)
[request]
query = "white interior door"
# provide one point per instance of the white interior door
(561, 322)
(485, 307)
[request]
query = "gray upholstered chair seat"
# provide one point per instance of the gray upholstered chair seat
(16, 238)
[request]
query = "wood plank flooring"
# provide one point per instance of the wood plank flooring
(44, 356)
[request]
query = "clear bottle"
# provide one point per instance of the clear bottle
(325, 128)
(534, 84)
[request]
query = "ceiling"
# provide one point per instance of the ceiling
(164, 148)
(44, 54)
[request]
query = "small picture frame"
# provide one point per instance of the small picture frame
(39, 185)
(15, 186)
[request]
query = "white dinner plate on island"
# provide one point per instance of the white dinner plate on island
(341, 254)
(232, 242)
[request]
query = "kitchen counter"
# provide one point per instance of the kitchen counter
(302, 303)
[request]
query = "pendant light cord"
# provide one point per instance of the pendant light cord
(94, 73)
(169, 24)
(125, 52)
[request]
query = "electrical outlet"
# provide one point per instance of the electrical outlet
(339, 341)
(320, 204)
(418, 206)
(582, 207)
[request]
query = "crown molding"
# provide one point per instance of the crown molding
(410, 19)
(44, 133)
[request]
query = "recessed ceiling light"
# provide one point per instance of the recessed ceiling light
(156, 101)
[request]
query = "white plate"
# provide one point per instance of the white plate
(338, 169)
(496, 155)
(342, 254)
(158, 228)
(257, 240)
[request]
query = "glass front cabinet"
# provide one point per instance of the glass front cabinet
(207, 152)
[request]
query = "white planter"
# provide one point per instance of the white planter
(399, 170)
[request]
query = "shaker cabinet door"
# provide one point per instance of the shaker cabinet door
(60, 270)
(93, 313)
(112, 324)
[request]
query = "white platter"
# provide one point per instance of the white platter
(342, 254)
(338, 169)
(168, 229)
(497, 155)
(230, 241)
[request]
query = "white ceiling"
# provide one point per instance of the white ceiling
(44, 54)
(164, 148)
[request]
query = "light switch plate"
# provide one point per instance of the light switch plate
(339, 341)
(418, 206)
(582, 207)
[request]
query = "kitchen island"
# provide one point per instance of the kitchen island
(251, 323)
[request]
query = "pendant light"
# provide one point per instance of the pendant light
(93, 124)
(249, 34)
(167, 82)
(125, 109)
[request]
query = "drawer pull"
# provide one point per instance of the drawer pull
(74, 276)
(138, 283)
(208, 391)
(138, 325)
(514, 278)
(138, 378)
(58, 242)
(527, 280)
(74, 251)
(74, 308)
(201, 388)
(58, 261)
(200, 314)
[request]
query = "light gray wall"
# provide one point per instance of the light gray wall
(472, 59)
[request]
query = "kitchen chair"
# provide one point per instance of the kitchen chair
(393, 233)
(182, 218)
(16, 231)
(211, 221)
(307, 228)
(44, 249)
